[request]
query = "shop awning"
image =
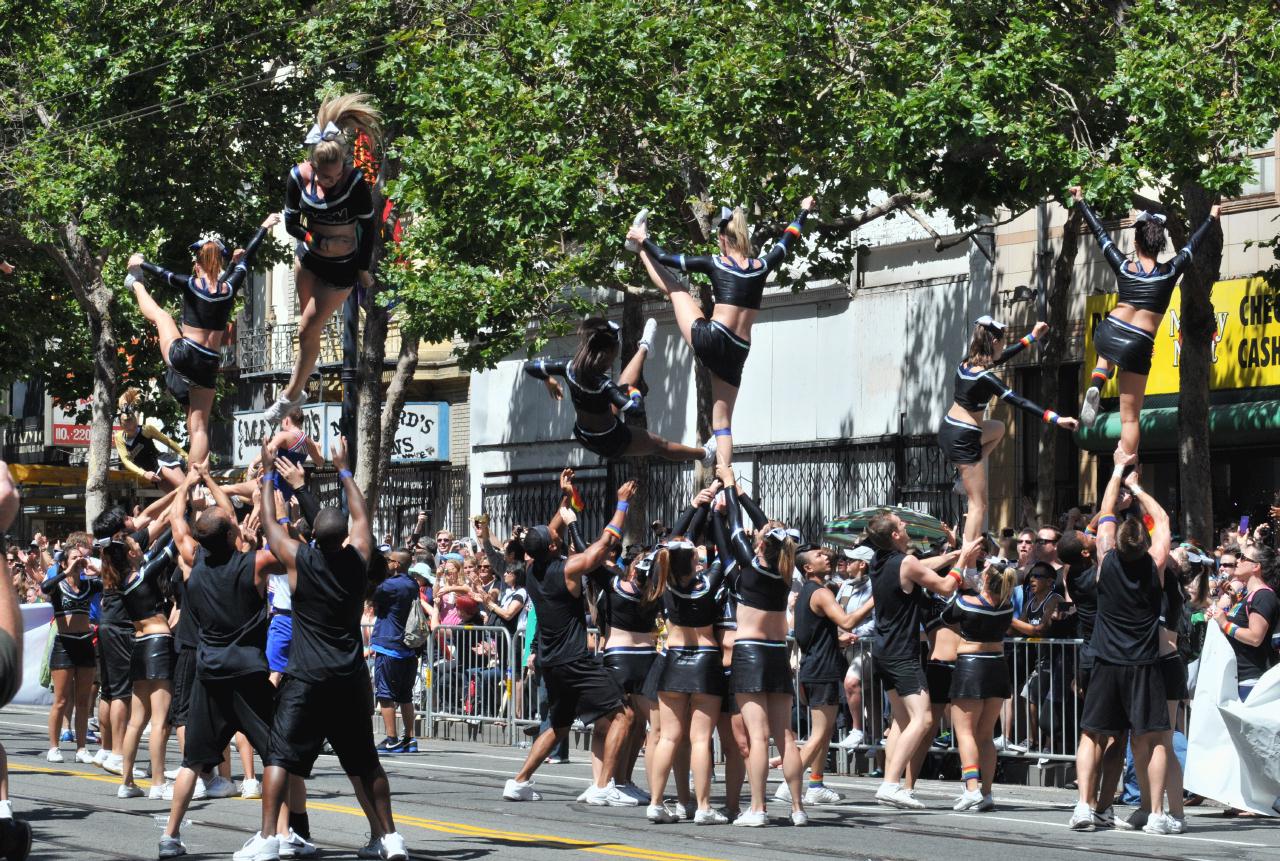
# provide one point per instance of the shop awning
(44, 475)
(1250, 423)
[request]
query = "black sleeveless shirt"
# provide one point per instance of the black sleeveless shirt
(898, 614)
(562, 627)
(822, 658)
(229, 614)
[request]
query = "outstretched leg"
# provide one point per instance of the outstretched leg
(687, 309)
(1133, 389)
(158, 317)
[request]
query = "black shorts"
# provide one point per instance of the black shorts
(937, 677)
(70, 651)
(220, 709)
(191, 365)
(393, 678)
(960, 443)
(1124, 344)
(115, 662)
(719, 350)
(649, 690)
(308, 713)
(607, 444)
(184, 679)
(1123, 697)
(630, 666)
(152, 658)
(333, 273)
(825, 693)
(904, 675)
(761, 667)
(581, 689)
(980, 677)
(1174, 670)
(693, 670)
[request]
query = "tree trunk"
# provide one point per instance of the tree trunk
(373, 350)
(1197, 327)
(1057, 299)
(397, 392)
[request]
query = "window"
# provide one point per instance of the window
(1264, 172)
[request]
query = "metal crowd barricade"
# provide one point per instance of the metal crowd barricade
(469, 674)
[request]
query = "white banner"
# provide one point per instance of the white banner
(35, 638)
(422, 433)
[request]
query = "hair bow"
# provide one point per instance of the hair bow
(1148, 215)
(328, 133)
(195, 247)
(726, 215)
(986, 321)
(106, 542)
(780, 534)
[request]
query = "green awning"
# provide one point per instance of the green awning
(1251, 423)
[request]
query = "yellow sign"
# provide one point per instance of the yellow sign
(1246, 347)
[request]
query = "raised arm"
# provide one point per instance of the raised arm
(183, 540)
(754, 511)
(296, 477)
(782, 247)
(1114, 258)
(1161, 534)
(593, 557)
(569, 498)
(1037, 332)
(1009, 396)
(1188, 251)
(240, 271)
(220, 497)
(1106, 540)
(173, 279)
(361, 534)
(282, 545)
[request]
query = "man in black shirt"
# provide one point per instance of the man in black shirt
(15, 835)
(326, 692)
(1126, 689)
(225, 608)
(577, 683)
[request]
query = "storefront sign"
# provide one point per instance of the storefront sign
(61, 427)
(1246, 346)
(422, 433)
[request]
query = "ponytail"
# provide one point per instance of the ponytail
(596, 350)
(737, 233)
(779, 552)
(1000, 581)
(210, 259)
(351, 114)
(659, 571)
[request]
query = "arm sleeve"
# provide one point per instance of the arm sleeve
(124, 456)
(10, 668)
(1189, 250)
(241, 271)
(757, 515)
(1009, 396)
(545, 369)
(576, 544)
(683, 262)
(153, 432)
(173, 279)
(738, 545)
(308, 503)
(721, 534)
(293, 207)
(699, 526)
(633, 403)
(366, 225)
(686, 520)
(51, 583)
(1015, 348)
(1109, 250)
(782, 247)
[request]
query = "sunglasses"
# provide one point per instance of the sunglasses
(1046, 541)
(1025, 541)
(1250, 559)
(1227, 565)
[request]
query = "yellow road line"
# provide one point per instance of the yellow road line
(458, 829)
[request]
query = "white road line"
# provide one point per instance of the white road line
(1116, 831)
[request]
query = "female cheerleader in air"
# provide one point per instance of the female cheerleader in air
(192, 351)
(737, 284)
(137, 451)
(965, 438)
(329, 209)
(600, 402)
(1126, 337)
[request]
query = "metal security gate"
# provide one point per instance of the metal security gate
(804, 486)
(442, 492)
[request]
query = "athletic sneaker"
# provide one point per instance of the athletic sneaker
(171, 773)
(101, 756)
(1157, 824)
(783, 792)
(292, 845)
(556, 760)
(1137, 819)
(1021, 747)
(54, 755)
(172, 847)
(129, 790)
(821, 794)
(646, 337)
(67, 735)
(752, 819)
(517, 791)
(258, 848)
(408, 745)
(84, 757)
(943, 741)
(893, 795)
(968, 800)
(710, 817)
(609, 796)
(1089, 409)
(220, 787)
(393, 848)
(658, 814)
(201, 791)
(681, 811)
(1001, 743)
(1083, 818)
(1177, 824)
(390, 744)
(986, 804)
(92, 737)
(113, 764)
(159, 790)
(250, 788)
(372, 849)
(635, 792)
(709, 449)
(799, 817)
(6, 809)
(282, 406)
(852, 739)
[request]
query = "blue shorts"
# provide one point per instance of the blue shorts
(393, 678)
(279, 638)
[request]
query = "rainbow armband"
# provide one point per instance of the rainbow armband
(614, 531)
(1027, 340)
(1231, 629)
(1050, 417)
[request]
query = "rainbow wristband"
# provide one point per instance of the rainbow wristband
(1050, 417)
(614, 531)
(1231, 629)
(1027, 340)
(344, 474)
(956, 573)
(623, 505)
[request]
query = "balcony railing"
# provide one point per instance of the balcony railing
(271, 350)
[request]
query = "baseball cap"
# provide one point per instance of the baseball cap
(859, 554)
(423, 570)
(537, 542)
